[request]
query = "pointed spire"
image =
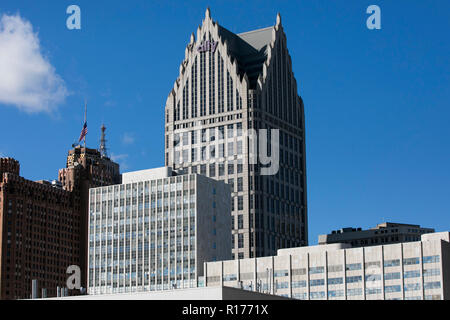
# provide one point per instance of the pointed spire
(278, 19)
(208, 13)
(192, 38)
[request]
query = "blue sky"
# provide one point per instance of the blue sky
(376, 101)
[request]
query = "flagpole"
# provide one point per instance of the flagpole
(85, 115)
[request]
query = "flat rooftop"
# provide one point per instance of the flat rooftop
(205, 293)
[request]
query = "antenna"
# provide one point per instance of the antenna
(103, 151)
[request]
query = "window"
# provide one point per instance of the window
(372, 277)
(317, 295)
(281, 273)
(239, 167)
(392, 276)
(432, 285)
(411, 261)
(240, 203)
(231, 168)
(231, 183)
(430, 259)
(239, 129)
(239, 147)
(240, 221)
(203, 135)
(299, 284)
(229, 277)
(313, 270)
(230, 149)
(373, 291)
(411, 286)
(353, 266)
(335, 268)
(396, 288)
(391, 263)
(221, 169)
(335, 293)
(212, 170)
(431, 272)
(230, 129)
(239, 184)
(240, 240)
(316, 282)
(411, 274)
(354, 292)
(353, 279)
(335, 281)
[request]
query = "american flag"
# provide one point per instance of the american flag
(84, 132)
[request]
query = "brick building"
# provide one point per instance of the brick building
(40, 233)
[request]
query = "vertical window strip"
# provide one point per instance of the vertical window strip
(212, 78)
(194, 89)
(221, 88)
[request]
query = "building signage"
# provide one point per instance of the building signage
(207, 45)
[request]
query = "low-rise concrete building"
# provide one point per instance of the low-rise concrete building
(405, 271)
(383, 233)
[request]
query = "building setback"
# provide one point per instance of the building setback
(40, 234)
(155, 230)
(383, 233)
(405, 271)
(228, 85)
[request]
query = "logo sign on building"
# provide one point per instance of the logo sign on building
(207, 45)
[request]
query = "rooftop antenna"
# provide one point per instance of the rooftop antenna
(103, 151)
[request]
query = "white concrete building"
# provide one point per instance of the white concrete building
(406, 271)
(154, 231)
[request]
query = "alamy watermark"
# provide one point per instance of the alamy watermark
(211, 145)
(374, 20)
(74, 20)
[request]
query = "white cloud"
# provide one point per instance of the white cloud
(27, 79)
(128, 138)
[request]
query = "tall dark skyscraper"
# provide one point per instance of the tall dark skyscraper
(234, 114)
(87, 168)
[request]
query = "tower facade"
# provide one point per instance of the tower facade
(87, 168)
(234, 115)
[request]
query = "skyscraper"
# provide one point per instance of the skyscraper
(87, 168)
(234, 115)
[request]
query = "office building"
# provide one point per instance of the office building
(234, 104)
(383, 233)
(155, 230)
(39, 233)
(417, 270)
(87, 168)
